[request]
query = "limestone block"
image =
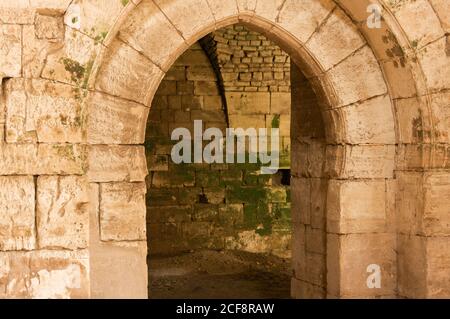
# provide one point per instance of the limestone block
(360, 161)
(62, 215)
(73, 62)
(113, 120)
(189, 17)
(42, 111)
(17, 204)
(247, 121)
(336, 39)
(223, 9)
(412, 121)
(422, 203)
(17, 12)
(246, 6)
(201, 73)
(49, 27)
(11, 50)
(357, 78)
(137, 82)
(117, 163)
(442, 9)
(302, 17)
(268, 9)
(369, 122)
(438, 267)
(42, 159)
(412, 266)
(304, 290)
(319, 188)
(248, 103)
(300, 199)
(280, 103)
(117, 269)
(435, 64)
(441, 108)
(348, 259)
(35, 52)
(45, 274)
(419, 21)
(356, 207)
(146, 26)
(54, 5)
(93, 17)
(315, 240)
(122, 211)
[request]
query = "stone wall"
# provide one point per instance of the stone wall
(216, 206)
(77, 81)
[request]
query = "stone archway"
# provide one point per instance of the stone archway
(356, 154)
(76, 96)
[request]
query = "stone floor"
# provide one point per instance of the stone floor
(219, 274)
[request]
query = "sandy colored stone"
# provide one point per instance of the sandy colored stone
(137, 82)
(42, 159)
(356, 206)
(17, 218)
(357, 78)
(336, 39)
(301, 18)
(11, 50)
(62, 216)
(435, 62)
(348, 259)
(122, 211)
(248, 103)
(117, 163)
(49, 27)
(223, 9)
(114, 120)
(189, 17)
(364, 161)
(419, 21)
(73, 62)
(53, 117)
(147, 25)
(44, 274)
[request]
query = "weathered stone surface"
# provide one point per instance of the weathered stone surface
(148, 25)
(117, 163)
(419, 21)
(244, 103)
(348, 259)
(280, 103)
(189, 17)
(62, 215)
(422, 204)
(42, 111)
(73, 62)
(301, 18)
(44, 274)
(36, 51)
(304, 290)
(369, 122)
(11, 50)
(138, 82)
(113, 120)
(122, 211)
(336, 39)
(364, 161)
(17, 204)
(223, 9)
(93, 17)
(356, 207)
(357, 78)
(442, 9)
(49, 27)
(42, 159)
(435, 62)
